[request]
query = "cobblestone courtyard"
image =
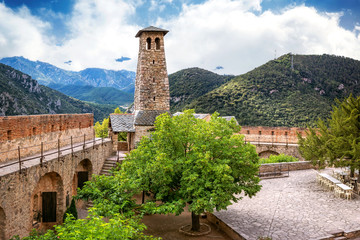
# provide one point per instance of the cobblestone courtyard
(295, 207)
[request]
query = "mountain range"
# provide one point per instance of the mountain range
(292, 90)
(47, 74)
(22, 95)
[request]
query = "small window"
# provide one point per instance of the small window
(272, 133)
(286, 133)
(9, 134)
(153, 61)
(34, 131)
(259, 132)
(157, 43)
(52, 128)
(154, 98)
(153, 79)
(248, 131)
(79, 124)
(148, 43)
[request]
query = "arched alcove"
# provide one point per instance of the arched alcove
(267, 153)
(82, 174)
(148, 43)
(157, 43)
(2, 223)
(47, 199)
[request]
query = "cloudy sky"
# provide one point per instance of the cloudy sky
(225, 36)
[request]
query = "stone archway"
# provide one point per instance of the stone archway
(47, 199)
(2, 224)
(82, 174)
(267, 153)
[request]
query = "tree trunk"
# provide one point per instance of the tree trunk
(195, 222)
(352, 171)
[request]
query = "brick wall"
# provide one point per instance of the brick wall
(271, 134)
(30, 131)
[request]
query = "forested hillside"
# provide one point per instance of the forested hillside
(275, 94)
(189, 84)
(22, 95)
(101, 95)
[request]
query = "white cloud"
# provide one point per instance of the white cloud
(230, 34)
(22, 34)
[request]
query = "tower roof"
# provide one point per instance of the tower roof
(151, 29)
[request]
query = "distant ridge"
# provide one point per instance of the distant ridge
(275, 95)
(22, 95)
(46, 74)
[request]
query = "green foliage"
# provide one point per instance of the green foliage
(189, 84)
(101, 130)
(337, 140)
(278, 159)
(95, 227)
(110, 194)
(117, 110)
(38, 235)
(191, 161)
(275, 95)
(71, 210)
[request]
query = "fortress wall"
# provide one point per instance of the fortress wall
(29, 132)
(272, 134)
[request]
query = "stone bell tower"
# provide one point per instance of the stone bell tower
(152, 83)
(152, 96)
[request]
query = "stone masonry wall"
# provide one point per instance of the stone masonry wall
(139, 132)
(19, 192)
(152, 83)
(29, 131)
(271, 134)
(292, 166)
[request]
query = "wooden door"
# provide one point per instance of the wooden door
(49, 206)
(82, 178)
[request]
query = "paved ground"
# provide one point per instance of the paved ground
(296, 207)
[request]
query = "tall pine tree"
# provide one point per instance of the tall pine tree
(337, 140)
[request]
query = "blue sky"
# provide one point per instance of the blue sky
(226, 36)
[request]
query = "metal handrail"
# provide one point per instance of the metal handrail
(50, 151)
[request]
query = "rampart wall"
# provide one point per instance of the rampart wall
(272, 134)
(28, 132)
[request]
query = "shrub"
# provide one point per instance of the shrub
(71, 210)
(278, 159)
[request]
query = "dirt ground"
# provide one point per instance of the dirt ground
(167, 227)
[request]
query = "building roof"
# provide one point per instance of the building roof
(151, 29)
(201, 115)
(147, 117)
(122, 122)
(228, 118)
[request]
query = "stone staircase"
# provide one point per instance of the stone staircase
(109, 163)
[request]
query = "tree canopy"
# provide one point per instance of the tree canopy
(191, 161)
(335, 141)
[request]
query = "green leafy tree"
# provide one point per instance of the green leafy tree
(191, 161)
(117, 110)
(101, 130)
(94, 227)
(337, 140)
